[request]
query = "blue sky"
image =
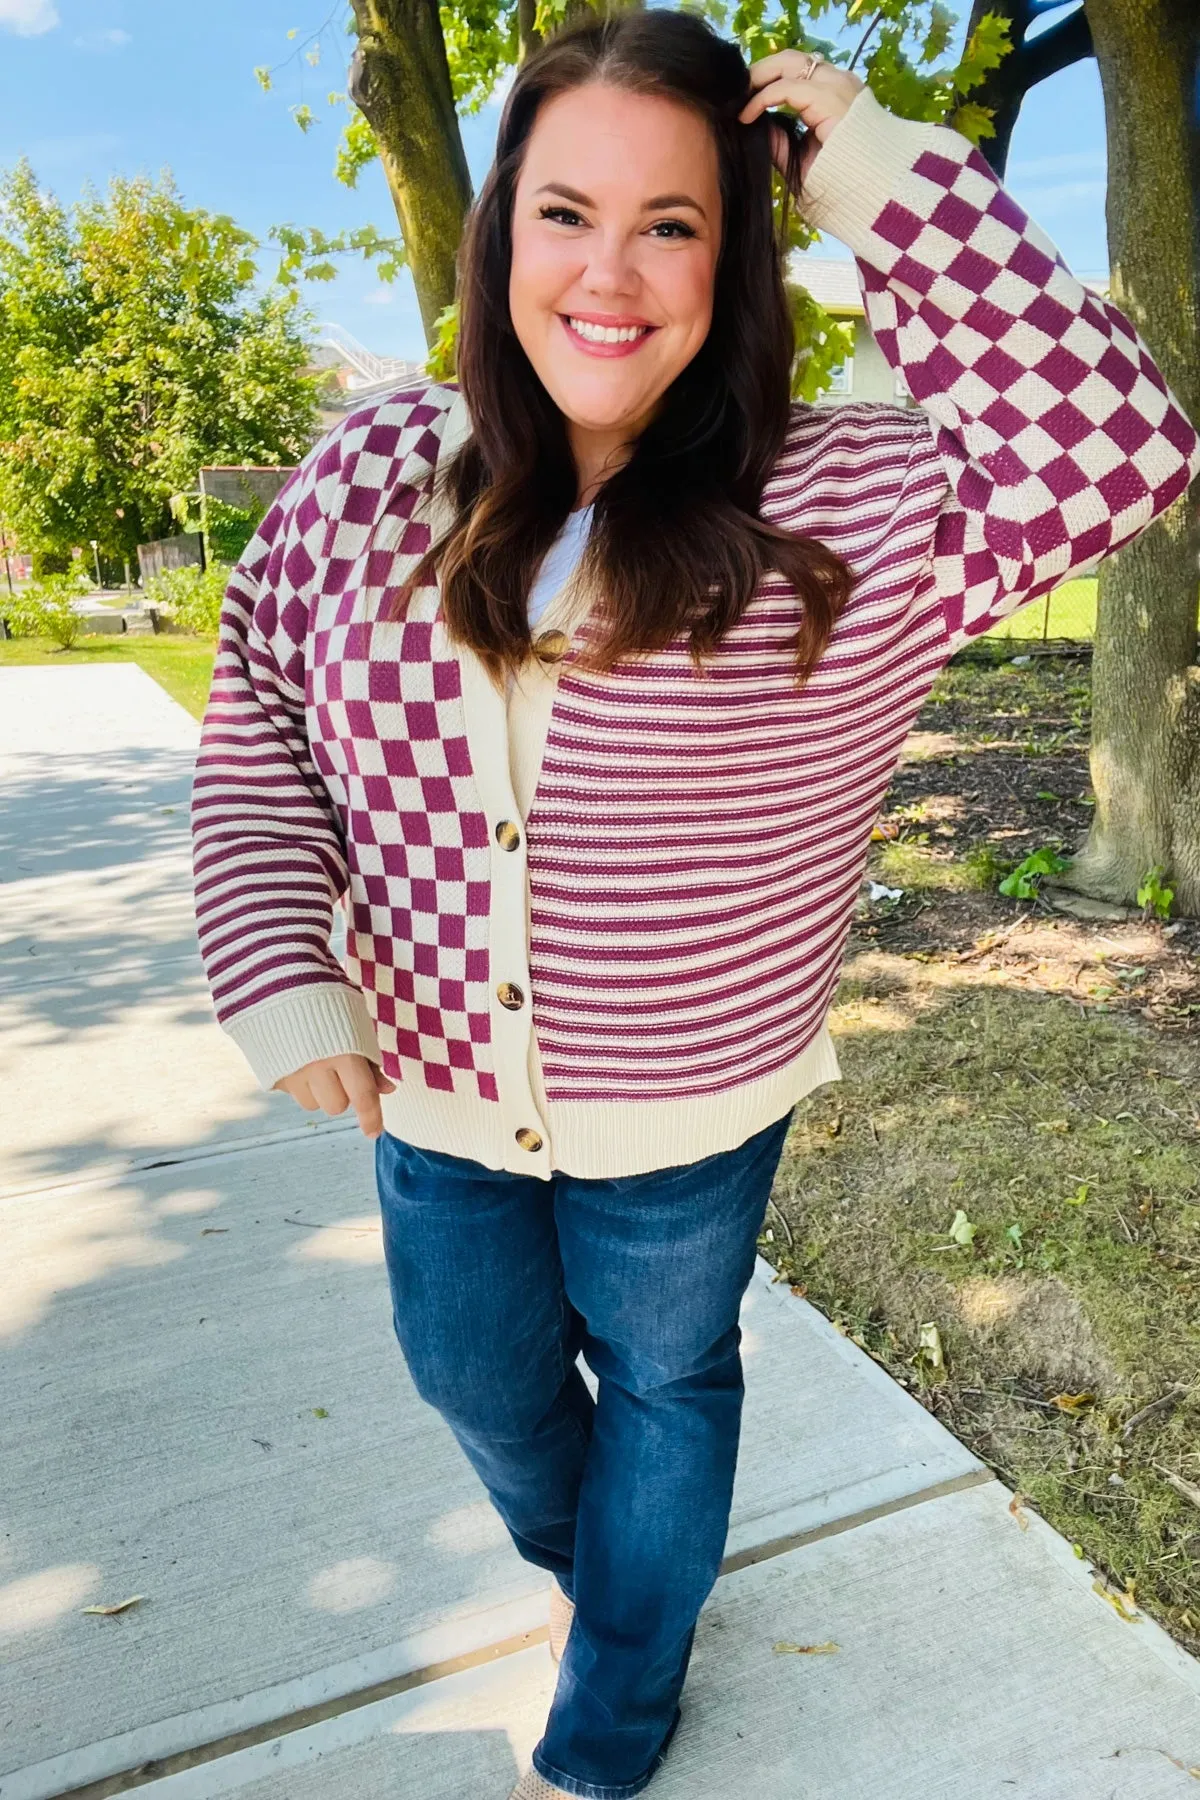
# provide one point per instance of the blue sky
(93, 87)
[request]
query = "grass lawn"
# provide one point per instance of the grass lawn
(1069, 612)
(1013, 1156)
(182, 665)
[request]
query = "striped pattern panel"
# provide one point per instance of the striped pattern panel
(696, 840)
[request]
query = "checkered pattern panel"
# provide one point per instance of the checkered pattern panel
(386, 721)
(368, 759)
(1056, 428)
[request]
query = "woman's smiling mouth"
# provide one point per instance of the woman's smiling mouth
(602, 337)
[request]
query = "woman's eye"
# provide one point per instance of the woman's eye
(562, 215)
(675, 228)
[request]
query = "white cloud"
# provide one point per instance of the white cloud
(28, 18)
(1044, 200)
(116, 39)
(1071, 162)
(380, 296)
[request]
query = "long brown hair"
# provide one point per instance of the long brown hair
(677, 544)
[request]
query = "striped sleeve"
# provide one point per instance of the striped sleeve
(1059, 438)
(269, 858)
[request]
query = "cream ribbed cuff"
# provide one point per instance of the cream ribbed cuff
(280, 1035)
(866, 161)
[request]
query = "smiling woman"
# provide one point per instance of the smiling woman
(599, 879)
(625, 338)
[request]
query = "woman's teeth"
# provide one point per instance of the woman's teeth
(608, 334)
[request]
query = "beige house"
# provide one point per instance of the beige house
(866, 374)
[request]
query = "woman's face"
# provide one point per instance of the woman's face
(616, 231)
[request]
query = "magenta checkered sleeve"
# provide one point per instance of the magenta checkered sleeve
(1060, 437)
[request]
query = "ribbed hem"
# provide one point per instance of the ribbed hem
(607, 1138)
(862, 165)
(280, 1035)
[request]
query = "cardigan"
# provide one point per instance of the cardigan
(596, 925)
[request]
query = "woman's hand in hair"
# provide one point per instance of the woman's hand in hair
(818, 102)
(333, 1083)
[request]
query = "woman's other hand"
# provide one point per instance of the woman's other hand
(819, 102)
(333, 1083)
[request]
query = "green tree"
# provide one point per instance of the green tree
(133, 350)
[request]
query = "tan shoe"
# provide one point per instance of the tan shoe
(562, 1611)
(535, 1787)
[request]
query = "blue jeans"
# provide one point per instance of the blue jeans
(498, 1282)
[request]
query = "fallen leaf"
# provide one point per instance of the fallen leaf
(319, 1412)
(929, 1353)
(786, 1649)
(1072, 1403)
(1016, 1507)
(1119, 1602)
(962, 1230)
(799, 1289)
(107, 1612)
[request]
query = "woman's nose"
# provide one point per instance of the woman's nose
(611, 266)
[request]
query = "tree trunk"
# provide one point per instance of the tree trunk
(1004, 87)
(400, 80)
(528, 38)
(1146, 688)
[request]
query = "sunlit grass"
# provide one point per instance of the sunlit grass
(181, 665)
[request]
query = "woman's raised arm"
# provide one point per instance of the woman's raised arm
(1049, 418)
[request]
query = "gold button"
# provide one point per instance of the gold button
(507, 835)
(529, 1140)
(551, 646)
(510, 995)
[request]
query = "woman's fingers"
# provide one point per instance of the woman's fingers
(336, 1082)
(820, 99)
(344, 1081)
(297, 1086)
(780, 92)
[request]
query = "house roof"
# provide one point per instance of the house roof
(833, 282)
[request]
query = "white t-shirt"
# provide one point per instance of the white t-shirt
(559, 562)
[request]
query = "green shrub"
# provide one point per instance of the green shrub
(191, 597)
(47, 609)
(50, 562)
(228, 529)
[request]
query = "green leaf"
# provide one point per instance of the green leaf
(1154, 895)
(962, 1230)
(263, 77)
(1025, 880)
(974, 121)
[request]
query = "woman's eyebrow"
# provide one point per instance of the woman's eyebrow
(659, 200)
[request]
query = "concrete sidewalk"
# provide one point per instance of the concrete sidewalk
(205, 1407)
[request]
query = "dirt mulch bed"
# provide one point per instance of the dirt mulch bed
(1001, 1200)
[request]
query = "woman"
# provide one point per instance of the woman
(583, 684)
